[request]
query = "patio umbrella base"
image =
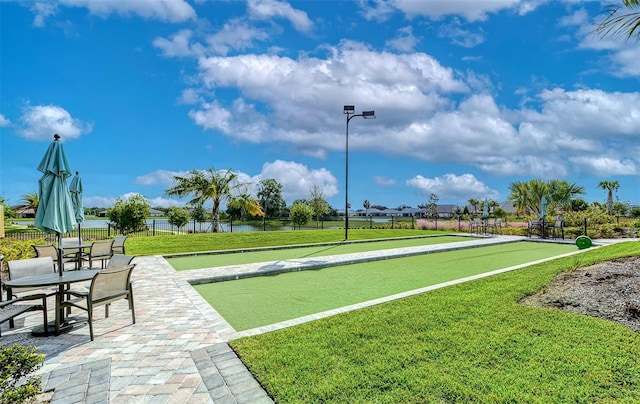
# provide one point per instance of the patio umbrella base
(67, 326)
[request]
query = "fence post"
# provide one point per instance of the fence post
(585, 227)
(153, 231)
(194, 226)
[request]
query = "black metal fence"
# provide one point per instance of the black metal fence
(159, 227)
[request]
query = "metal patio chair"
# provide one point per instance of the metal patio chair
(106, 287)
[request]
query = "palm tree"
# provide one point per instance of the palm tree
(561, 194)
(31, 201)
(527, 196)
(610, 187)
(246, 203)
(366, 205)
(620, 23)
(205, 185)
(474, 202)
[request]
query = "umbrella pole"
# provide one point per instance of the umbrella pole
(60, 253)
(79, 234)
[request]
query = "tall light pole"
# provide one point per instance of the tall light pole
(350, 112)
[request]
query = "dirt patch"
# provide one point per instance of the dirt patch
(609, 290)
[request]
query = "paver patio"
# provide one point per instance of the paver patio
(177, 351)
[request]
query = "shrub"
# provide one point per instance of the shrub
(17, 364)
(13, 249)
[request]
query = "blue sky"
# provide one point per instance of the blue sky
(469, 95)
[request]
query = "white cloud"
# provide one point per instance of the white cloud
(41, 122)
(236, 34)
(298, 179)
(190, 96)
(426, 111)
(460, 36)
(384, 181)
(604, 166)
(579, 18)
(404, 41)
(453, 187)
(405, 85)
(178, 45)
(165, 202)
(173, 11)
(625, 61)
(476, 10)
(159, 177)
(42, 11)
(99, 201)
(268, 9)
(4, 121)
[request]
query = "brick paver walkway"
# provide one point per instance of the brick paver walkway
(177, 351)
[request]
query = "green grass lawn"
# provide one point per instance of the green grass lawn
(175, 244)
(467, 343)
(259, 301)
(244, 257)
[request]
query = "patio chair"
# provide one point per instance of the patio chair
(49, 250)
(558, 229)
(10, 309)
(100, 251)
(475, 225)
(71, 241)
(534, 226)
(495, 227)
(106, 287)
(119, 261)
(31, 267)
(118, 244)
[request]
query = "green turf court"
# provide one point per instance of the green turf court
(223, 259)
(259, 301)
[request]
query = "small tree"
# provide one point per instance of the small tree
(200, 214)
(129, 215)
(178, 217)
(432, 207)
(619, 209)
(270, 197)
(366, 205)
(300, 214)
(17, 364)
(319, 206)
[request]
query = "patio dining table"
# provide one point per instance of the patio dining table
(43, 281)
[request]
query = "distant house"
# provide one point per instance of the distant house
(508, 207)
(412, 212)
(447, 211)
(155, 212)
(25, 212)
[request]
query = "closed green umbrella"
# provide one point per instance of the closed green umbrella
(55, 210)
(75, 188)
(543, 208)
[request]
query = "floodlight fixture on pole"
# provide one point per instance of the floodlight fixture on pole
(350, 112)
